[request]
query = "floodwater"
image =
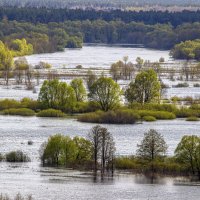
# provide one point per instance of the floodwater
(97, 56)
(60, 184)
(51, 183)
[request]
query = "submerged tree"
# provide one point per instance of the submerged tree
(6, 61)
(103, 148)
(152, 146)
(188, 153)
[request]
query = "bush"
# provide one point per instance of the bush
(156, 114)
(30, 103)
(153, 106)
(196, 85)
(149, 118)
(179, 85)
(17, 197)
(19, 111)
(51, 113)
(9, 103)
(192, 118)
(1, 157)
(125, 163)
(17, 156)
(111, 117)
(185, 112)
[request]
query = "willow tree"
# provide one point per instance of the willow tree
(106, 92)
(79, 89)
(145, 89)
(6, 61)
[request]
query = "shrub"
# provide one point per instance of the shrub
(156, 114)
(153, 106)
(149, 118)
(192, 118)
(179, 85)
(17, 156)
(51, 113)
(111, 117)
(1, 157)
(19, 111)
(125, 162)
(9, 103)
(30, 103)
(196, 85)
(17, 197)
(185, 112)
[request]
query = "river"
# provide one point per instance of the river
(49, 183)
(60, 184)
(94, 55)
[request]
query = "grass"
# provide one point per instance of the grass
(192, 118)
(50, 113)
(110, 117)
(162, 115)
(149, 118)
(19, 111)
(17, 197)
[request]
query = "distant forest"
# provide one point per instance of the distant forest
(44, 15)
(89, 3)
(50, 30)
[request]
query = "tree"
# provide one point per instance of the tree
(57, 95)
(152, 146)
(52, 150)
(188, 153)
(94, 137)
(106, 92)
(69, 150)
(21, 65)
(103, 147)
(140, 63)
(91, 78)
(84, 150)
(145, 88)
(79, 89)
(6, 61)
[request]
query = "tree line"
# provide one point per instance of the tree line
(97, 152)
(55, 36)
(44, 15)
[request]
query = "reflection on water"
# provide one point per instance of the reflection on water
(55, 183)
(52, 183)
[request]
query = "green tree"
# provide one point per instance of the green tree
(21, 47)
(145, 88)
(6, 61)
(69, 150)
(106, 92)
(79, 89)
(53, 150)
(57, 95)
(188, 153)
(84, 150)
(152, 146)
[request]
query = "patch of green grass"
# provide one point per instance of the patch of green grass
(192, 118)
(149, 118)
(19, 111)
(51, 113)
